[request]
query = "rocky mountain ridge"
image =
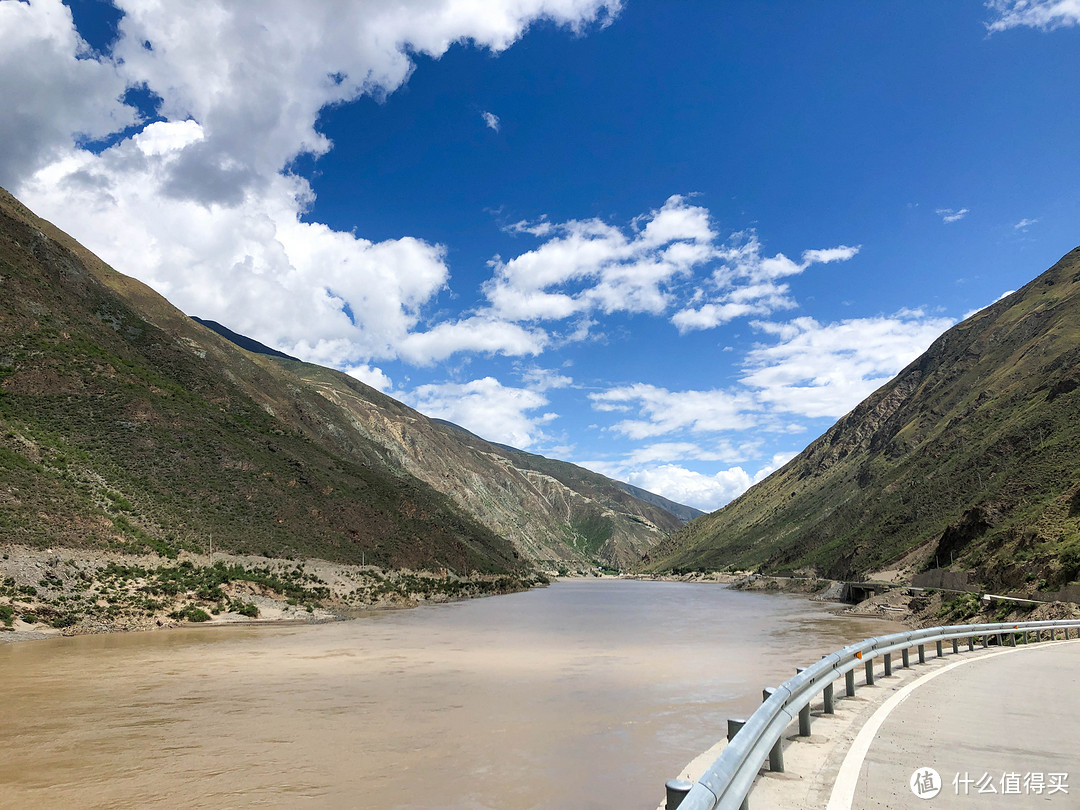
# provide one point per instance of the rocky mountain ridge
(968, 459)
(127, 425)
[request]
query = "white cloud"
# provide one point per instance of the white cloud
(542, 379)
(476, 334)
(1024, 224)
(746, 282)
(707, 492)
(811, 370)
(671, 411)
(200, 205)
(375, 377)
(721, 450)
(1045, 15)
(323, 295)
(486, 407)
(491, 121)
(949, 215)
(778, 460)
(589, 265)
(54, 89)
(837, 254)
(818, 370)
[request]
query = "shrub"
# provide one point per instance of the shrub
(245, 609)
(191, 613)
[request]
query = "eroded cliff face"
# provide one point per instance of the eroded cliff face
(551, 523)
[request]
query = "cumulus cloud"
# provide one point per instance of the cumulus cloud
(715, 450)
(375, 377)
(824, 370)
(491, 121)
(56, 92)
(747, 283)
(705, 491)
(543, 379)
(326, 296)
(591, 266)
(1045, 15)
(488, 408)
(670, 411)
(479, 334)
(200, 204)
(809, 370)
(950, 215)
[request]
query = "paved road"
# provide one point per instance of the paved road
(1002, 731)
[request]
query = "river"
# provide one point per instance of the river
(586, 694)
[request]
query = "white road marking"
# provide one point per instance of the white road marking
(847, 779)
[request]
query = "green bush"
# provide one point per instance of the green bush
(191, 613)
(7, 614)
(245, 609)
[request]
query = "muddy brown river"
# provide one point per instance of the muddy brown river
(586, 694)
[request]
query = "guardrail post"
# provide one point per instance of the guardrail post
(869, 671)
(733, 726)
(971, 644)
(956, 646)
(827, 697)
(939, 653)
(804, 713)
(888, 664)
(776, 753)
(922, 653)
(985, 645)
(676, 792)
(849, 683)
(1000, 642)
(905, 658)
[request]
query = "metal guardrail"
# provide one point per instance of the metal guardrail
(725, 785)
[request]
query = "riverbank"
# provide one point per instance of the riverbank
(52, 592)
(914, 607)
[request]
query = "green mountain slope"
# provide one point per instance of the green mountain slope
(969, 458)
(556, 514)
(125, 425)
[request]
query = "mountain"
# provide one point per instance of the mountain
(125, 424)
(556, 514)
(242, 341)
(969, 458)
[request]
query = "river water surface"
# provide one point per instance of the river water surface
(583, 694)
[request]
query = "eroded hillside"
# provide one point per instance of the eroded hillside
(969, 458)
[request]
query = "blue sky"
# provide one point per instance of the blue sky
(672, 242)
